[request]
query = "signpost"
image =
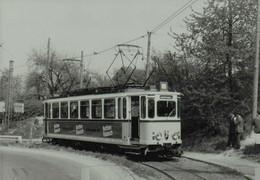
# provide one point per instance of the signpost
(19, 107)
(2, 107)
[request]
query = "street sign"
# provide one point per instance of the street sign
(2, 106)
(19, 107)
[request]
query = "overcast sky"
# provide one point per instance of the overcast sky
(84, 25)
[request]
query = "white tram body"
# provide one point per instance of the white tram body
(135, 119)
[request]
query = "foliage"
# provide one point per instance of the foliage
(252, 149)
(62, 76)
(213, 65)
(129, 76)
(17, 86)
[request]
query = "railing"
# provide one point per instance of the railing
(8, 138)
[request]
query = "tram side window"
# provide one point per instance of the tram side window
(119, 107)
(96, 109)
(143, 107)
(124, 108)
(74, 112)
(64, 110)
(151, 108)
(109, 108)
(47, 110)
(166, 108)
(55, 110)
(84, 109)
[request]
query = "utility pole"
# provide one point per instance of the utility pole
(10, 93)
(47, 67)
(81, 70)
(148, 66)
(81, 67)
(256, 74)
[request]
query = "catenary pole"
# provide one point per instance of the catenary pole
(148, 55)
(48, 67)
(10, 93)
(256, 73)
(81, 70)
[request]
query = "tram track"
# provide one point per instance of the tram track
(166, 173)
(159, 170)
(171, 170)
(217, 165)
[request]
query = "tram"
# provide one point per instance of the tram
(139, 120)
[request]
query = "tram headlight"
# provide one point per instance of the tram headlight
(158, 136)
(176, 136)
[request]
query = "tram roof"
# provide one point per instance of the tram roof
(107, 92)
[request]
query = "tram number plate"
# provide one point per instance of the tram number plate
(167, 144)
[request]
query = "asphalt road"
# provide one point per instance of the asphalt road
(38, 164)
(25, 166)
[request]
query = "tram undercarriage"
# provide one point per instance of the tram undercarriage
(167, 150)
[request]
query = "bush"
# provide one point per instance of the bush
(208, 144)
(252, 149)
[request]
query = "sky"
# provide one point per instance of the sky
(84, 25)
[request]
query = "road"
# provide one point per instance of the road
(28, 164)
(59, 163)
(23, 166)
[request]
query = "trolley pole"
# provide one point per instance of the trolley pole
(256, 74)
(81, 70)
(148, 55)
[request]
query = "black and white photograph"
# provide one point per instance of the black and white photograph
(129, 90)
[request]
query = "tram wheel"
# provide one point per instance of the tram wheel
(144, 151)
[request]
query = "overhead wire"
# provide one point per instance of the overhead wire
(166, 21)
(108, 49)
(175, 14)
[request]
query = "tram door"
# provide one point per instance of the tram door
(135, 115)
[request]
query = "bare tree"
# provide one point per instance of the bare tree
(62, 77)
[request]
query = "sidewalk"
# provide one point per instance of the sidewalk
(244, 166)
(232, 159)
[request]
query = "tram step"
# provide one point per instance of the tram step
(133, 153)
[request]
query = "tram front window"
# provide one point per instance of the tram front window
(166, 108)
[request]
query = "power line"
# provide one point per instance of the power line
(184, 7)
(135, 39)
(8, 52)
(108, 49)
(175, 14)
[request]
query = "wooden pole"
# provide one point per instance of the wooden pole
(10, 94)
(47, 67)
(148, 69)
(81, 70)
(256, 73)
